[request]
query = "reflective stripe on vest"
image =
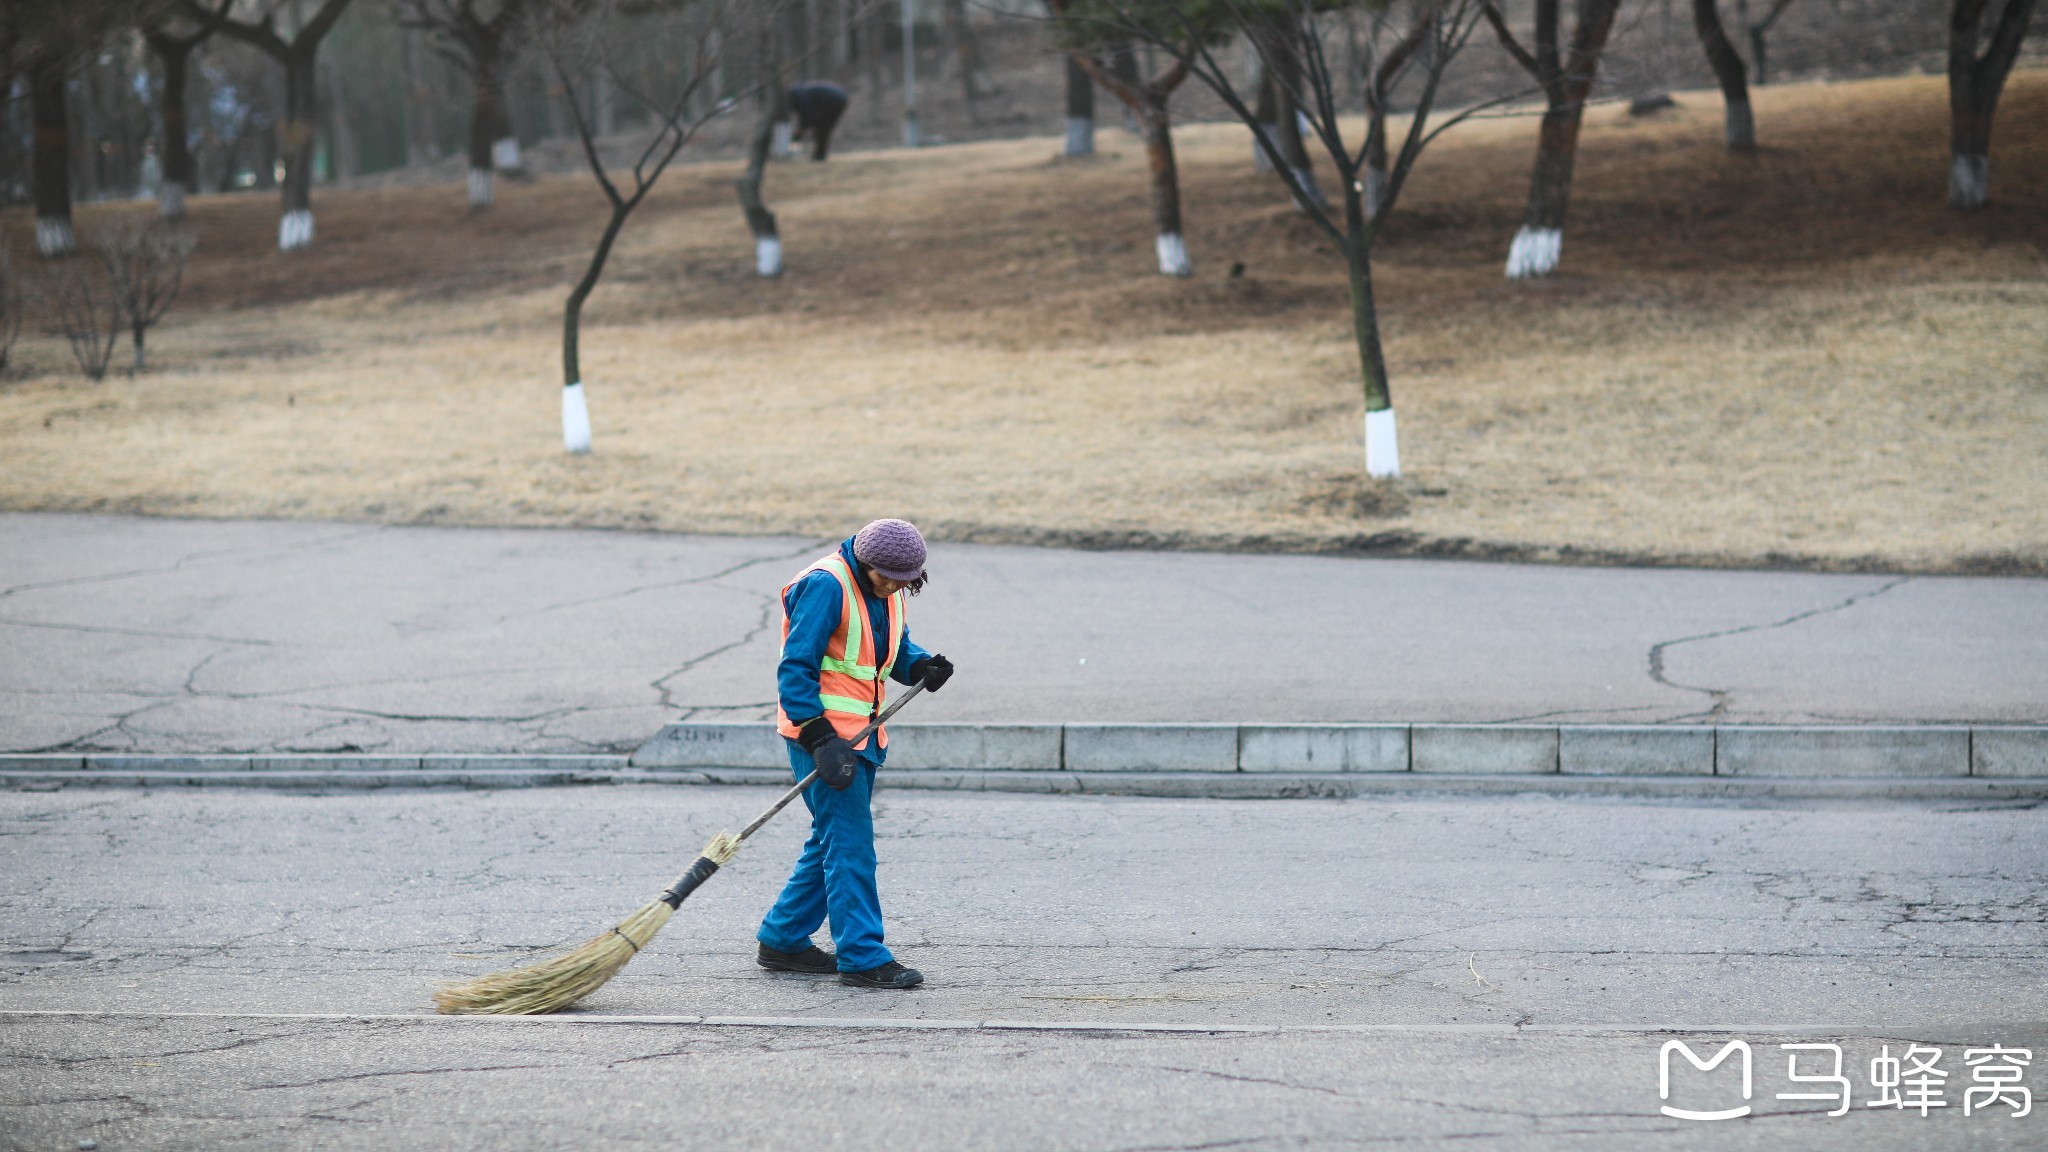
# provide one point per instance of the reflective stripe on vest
(850, 687)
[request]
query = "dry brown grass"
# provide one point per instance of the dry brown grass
(1795, 358)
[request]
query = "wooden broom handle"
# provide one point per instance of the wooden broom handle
(811, 779)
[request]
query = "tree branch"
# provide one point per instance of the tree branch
(1508, 41)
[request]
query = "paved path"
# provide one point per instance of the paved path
(1490, 973)
(145, 635)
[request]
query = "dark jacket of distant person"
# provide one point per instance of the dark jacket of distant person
(817, 106)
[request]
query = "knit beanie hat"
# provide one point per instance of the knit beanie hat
(892, 547)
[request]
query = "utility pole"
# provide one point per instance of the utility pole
(912, 135)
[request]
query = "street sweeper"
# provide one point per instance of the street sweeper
(843, 638)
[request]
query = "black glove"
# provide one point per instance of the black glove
(831, 752)
(934, 670)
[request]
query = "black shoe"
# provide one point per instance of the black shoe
(890, 975)
(813, 960)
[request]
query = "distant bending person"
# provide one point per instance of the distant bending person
(817, 105)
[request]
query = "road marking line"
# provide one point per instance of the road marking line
(884, 1023)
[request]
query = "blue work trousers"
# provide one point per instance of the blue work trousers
(835, 875)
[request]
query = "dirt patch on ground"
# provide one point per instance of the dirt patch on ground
(1797, 358)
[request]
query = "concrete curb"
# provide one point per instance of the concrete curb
(1207, 760)
(1851, 752)
(1179, 785)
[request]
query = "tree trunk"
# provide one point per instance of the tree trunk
(1974, 85)
(1727, 65)
(1375, 160)
(760, 221)
(1080, 110)
(1382, 441)
(575, 410)
(488, 123)
(1173, 249)
(1540, 241)
(1287, 123)
(180, 173)
(295, 140)
(50, 163)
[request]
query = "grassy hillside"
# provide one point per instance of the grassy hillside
(1799, 357)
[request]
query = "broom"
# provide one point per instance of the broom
(553, 985)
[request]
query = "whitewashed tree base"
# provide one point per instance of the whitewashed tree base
(505, 155)
(779, 142)
(1969, 181)
(1080, 136)
(1260, 160)
(1382, 445)
(55, 238)
(170, 200)
(767, 256)
(295, 230)
(1173, 255)
(1374, 191)
(1535, 252)
(480, 189)
(575, 419)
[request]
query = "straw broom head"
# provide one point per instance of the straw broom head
(554, 984)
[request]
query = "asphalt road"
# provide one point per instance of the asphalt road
(124, 634)
(1477, 972)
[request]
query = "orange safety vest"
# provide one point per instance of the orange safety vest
(850, 686)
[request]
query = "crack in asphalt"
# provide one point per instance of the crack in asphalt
(1720, 696)
(541, 725)
(771, 611)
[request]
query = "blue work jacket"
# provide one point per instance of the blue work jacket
(813, 605)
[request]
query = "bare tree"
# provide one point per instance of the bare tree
(571, 35)
(1760, 29)
(299, 56)
(1446, 26)
(86, 310)
(33, 48)
(173, 36)
(1565, 73)
(1726, 62)
(478, 37)
(1974, 83)
(145, 265)
(772, 128)
(45, 45)
(1097, 34)
(50, 164)
(1080, 110)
